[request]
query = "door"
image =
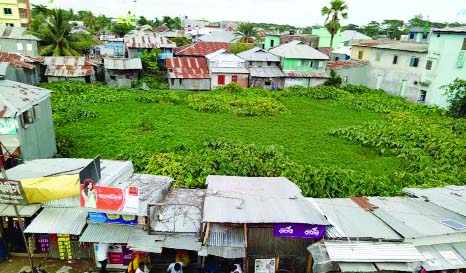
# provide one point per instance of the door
(234, 78)
(221, 79)
(404, 85)
(379, 82)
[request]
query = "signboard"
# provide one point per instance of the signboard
(12, 193)
(264, 266)
(119, 256)
(299, 231)
(7, 126)
(461, 58)
(108, 218)
(91, 173)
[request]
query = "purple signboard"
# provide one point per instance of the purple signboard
(299, 231)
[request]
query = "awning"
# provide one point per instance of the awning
(42, 189)
(357, 267)
(58, 221)
(405, 267)
(107, 233)
(225, 241)
(24, 211)
(223, 251)
(140, 240)
(443, 256)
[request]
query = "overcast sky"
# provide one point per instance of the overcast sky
(294, 12)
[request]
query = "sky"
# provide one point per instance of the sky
(299, 13)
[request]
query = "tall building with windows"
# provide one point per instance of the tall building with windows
(15, 13)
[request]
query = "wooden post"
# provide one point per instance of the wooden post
(206, 236)
(277, 262)
(245, 226)
(309, 264)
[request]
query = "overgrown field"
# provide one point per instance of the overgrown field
(330, 141)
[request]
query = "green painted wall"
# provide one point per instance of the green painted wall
(303, 65)
(325, 37)
(444, 52)
(271, 41)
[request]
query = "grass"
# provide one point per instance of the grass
(129, 127)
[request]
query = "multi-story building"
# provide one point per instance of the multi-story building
(15, 13)
(445, 63)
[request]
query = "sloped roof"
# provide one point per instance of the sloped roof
(201, 49)
(223, 55)
(258, 55)
(450, 197)
(147, 40)
(122, 64)
(394, 45)
(68, 66)
(17, 60)
(307, 74)
(220, 36)
(19, 33)
(187, 68)
(234, 199)
(349, 35)
(58, 221)
(451, 30)
(17, 97)
(346, 64)
(266, 72)
(298, 50)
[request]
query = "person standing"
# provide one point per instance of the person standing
(175, 267)
(142, 268)
(102, 256)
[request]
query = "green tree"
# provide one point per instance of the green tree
(239, 47)
(39, 10)
(181, 41)
(247, 31)
(90, 21)
(456, 93)
(337, 9)
(121, 29)
(142, 21)
(372, 29)
(393, 28)
(56, 37)
(149, 61)
(334, 80)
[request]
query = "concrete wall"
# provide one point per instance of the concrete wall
(261, 82)
(189, 84)
(325, 37)
(37, 140)
(243, 79)
(444, 52)
(358, 75)
(25, 47)
(303, 65)
(62, 79)
(263, 64)
(396, 79)
(366, 53)
(268, 41)
(121, 78)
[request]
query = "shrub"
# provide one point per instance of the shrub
(334, 80)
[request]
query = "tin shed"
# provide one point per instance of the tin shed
(121, 72)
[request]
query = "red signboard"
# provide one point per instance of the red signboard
(110, 198)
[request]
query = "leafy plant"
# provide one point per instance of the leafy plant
(238, 47)
(335, 79)
(456, 93)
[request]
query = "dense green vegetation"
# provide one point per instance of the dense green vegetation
(330, 141)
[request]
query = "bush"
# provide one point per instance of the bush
(334, 80)
(456, 93)
(318, 92)
(165, 97)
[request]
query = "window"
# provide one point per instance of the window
(272, 43)
(7, 11)
(395, 59)
(464, 44)
(414, 62)
(23, 13)
(29, 47)
(429, 65)
(10, 24)
(299, 63)
(425, 35)
(269, 63)
(311, 64)
(337, 59)
(321, 64)
(36, 110)
(378, 56)
(27, 117)
(234, 78)
(172, 81)
(422, 97)
(221, 79)
(19, 46)
(113, 77)
(360, 55)
(411, 36)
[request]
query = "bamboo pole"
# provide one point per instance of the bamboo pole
(309, 264)
(245, 226)
(206, 236)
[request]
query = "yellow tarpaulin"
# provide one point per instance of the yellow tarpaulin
(43, 189)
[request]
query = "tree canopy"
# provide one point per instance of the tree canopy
(337, 9)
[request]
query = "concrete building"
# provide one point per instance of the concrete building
(325, 37)
(15, 13)
(274, 40)
(264, 68)
(227, 68)
(419, 35)
(445, 62)
(395, 66)
(26, 124)
(121, 72)
(351, 71)
(17, 40)
(302, 64)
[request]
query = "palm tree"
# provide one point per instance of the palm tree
(55, 34)
(332, 23)
(247, 31)
(90, 21)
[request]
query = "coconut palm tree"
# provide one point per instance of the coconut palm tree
(56, 36)
(336, 9)
(247, 31)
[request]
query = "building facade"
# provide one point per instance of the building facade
(225, 68)
(15, 13)
(16, 40)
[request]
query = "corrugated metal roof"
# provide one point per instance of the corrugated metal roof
(442, 257)
(181, 210)
(298, 50)
(266, 72)
(342, 251)
(405, 267)
(345, 215)
(357, 267)
(258, 55)
(224, 252)
(58, 221)
(122, 64)
(349, 35)
(451, 29)
(233, 199)
(229, 70)
(414, 218)
(394, 45)
(307, 74)
(220, 36)
(201, 49)
(226, 235)
(19, 33)
(147, 39)
(140, 240)
(17, 97)
(68, 66)
(17, 60)
(346, 64)
(187, 68)
(450, 197)
(24, 211)
(107, 233)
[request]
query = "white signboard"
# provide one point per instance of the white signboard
(264, 266)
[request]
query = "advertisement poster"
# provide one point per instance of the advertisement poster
(299, 231)
(110, 218)
(264, 266)
(119, 256)
(12, 193)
